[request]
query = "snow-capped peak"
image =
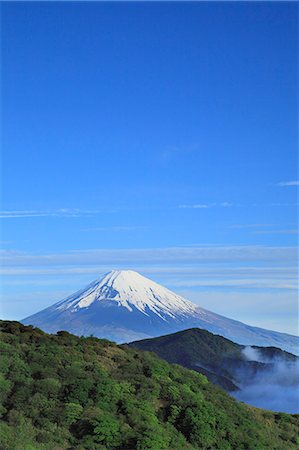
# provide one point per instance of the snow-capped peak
(130, 289)
(123, 306)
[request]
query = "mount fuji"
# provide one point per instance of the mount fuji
(124, 306)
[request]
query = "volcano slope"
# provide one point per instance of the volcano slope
(124, 306)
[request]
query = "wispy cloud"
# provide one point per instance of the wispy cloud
(116, 228)
(173, 255)
(246, 283)
(288, 183)
(261, 228)
(252, 225)
(294, 231)
(220, 280)
(217, 277)
(228, 205)
(165, 270)
(275, 310)
(285, 204)
(207, 205)
(62, 212)
(173, 272)
(196, 206)
(171, 152)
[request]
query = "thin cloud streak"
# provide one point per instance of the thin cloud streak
(207, 205)
(168, 271)
(288, 183)
(252, 225)
(216, 277)
(230, 205)
(62, 212)
(239, 283)
(242, 293)
(247, 284)
(285, 204)
(115, 228)
(198, 206)
(295, 231)
(185, 255)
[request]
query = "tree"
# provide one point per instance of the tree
(72, 413)
(106, 430)
(153, 440)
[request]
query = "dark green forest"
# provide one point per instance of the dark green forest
(66, 392)
(219, 359)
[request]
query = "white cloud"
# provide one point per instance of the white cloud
(171, 272)
(115, 228)
(288, 183)
(285, 204)
(294, 231)
(198, 277)
(230, 205)
(247, 283)
(172, 255)
(226, 204)
(254, 284)
(197, 206)
(247, 298)
(207, 205)
(62, 212)
(252, 225)
(249, 268)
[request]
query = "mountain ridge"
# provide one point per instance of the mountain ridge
(222, 361)
(125, 306)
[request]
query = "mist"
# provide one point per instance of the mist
(275, 387)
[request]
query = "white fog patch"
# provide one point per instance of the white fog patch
(251, 354)
(276, 387)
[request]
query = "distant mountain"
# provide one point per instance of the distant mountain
(124, 306)
(223, 362)
(67, 392)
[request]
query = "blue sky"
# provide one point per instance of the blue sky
(155, 136)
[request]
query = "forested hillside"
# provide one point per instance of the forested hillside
(64, 392)
(222, 361)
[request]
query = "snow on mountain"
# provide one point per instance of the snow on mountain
(125, 306)
(130, 289)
